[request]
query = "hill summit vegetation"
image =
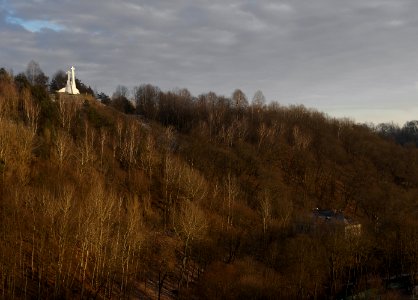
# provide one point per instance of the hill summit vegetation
(208, 197)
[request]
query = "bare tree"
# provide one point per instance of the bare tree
(239, 99)
(231, 192)
(146, 100)
(121, 91)
(266, 211)
(31, 109)
(9, 99)
(16, 144)
(86, 147)
(192, 184)
(149, 156)
(302, 140)
(130, 145)
(227, 134)
(103, 137)
(119, 131)
(67, 108)
(284, 210)
(58, 210)
(35, 75)
(258, 100)
(169, 182)
(240, 128)
(190, 225)
(263, 132)
(63, 144)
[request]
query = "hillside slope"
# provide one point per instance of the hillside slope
(196, 198)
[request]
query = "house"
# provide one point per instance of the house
(335, 219)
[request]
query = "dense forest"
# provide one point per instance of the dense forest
(156, 194)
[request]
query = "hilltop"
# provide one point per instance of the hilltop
(185, 197)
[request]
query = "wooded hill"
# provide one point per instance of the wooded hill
(202, 197)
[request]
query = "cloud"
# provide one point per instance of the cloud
(34, 25)
(279, 7)
(351, 51)
(396, 23)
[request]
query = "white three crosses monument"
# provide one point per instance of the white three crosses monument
(70, 88)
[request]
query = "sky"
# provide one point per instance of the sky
(354, 59)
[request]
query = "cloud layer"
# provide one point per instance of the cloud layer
(348, 58)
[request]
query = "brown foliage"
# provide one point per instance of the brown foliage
(210, 198)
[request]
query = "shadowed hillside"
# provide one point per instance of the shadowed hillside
(202, 197)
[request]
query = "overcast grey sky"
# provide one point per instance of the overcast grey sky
(347, 58)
